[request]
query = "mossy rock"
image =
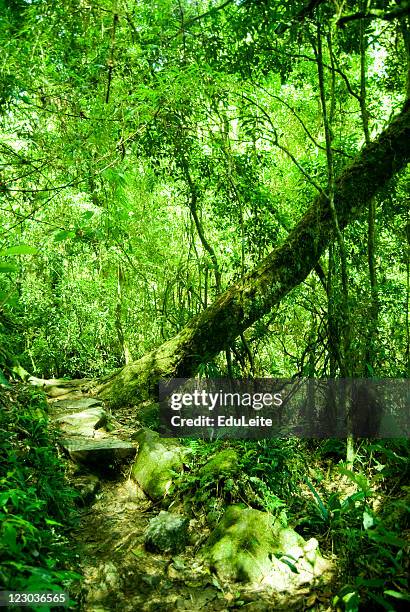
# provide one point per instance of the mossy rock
(157, 461)
(250, 546)
(224, 463)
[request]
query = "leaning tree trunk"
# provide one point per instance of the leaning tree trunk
(258, 291)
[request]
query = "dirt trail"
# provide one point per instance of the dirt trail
(119, 574)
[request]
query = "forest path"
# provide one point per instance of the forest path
(119, 574)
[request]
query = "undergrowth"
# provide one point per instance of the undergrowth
(36, 503)
(262, 473)
(361, 516)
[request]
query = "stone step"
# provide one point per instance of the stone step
(97, 453)
(73, 405)
(83, 423)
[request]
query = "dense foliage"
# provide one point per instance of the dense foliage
(151, 157)
(36, 502)
(355, 514)
(152, 154)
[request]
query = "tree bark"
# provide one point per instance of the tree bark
(258, 291)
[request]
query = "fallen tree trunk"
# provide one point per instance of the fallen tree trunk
(258, 291)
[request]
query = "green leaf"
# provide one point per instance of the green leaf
(351, 601)
(387, 538)
(370, 369)
(381, 601)
(20, 249)
(322, 507)
(286, 560)
(9, 538)
(358, 496)
(397, 594)
(51, 522)
(88, 214)
(358, 479)
(5, 269)
(5, 496)
(63, 235)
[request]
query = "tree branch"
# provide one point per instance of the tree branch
(401, 11)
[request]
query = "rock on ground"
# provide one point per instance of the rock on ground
(249, 545)
(100, 454)
(87, 486)
(167, 532)
(83, 423)
(157, 461)
(224, 463)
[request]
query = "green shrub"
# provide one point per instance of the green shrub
(269, 471)
(35, 499)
